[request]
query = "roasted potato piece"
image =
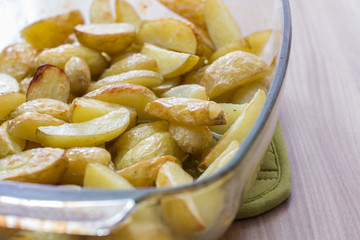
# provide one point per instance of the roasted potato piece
(126, 94)
(111, 38)
(9, 144)
(194, 76)
(126, 13)
(187, 91)
(253, 43)
(48, 106)
(79, 158)
(40, 165)
(10, 101)
(17, 60)
(233, 70)
(221, 25)
(169, 33)
(131, 138)
(25, 125)
(232, 111)
(99, 176)
(52, 32)
(24, 85)
(132, 61)
(8, 83)
(166, 85)
(59, 56)
(171, 64)
(49, 82)
(90, 133)
(179, 212)
(79, 75)
(144, 78)
(100, 12)
(188, 111)
(245, 93)
(239, 129)
(158, 144)
(143, 174)
(195, 140)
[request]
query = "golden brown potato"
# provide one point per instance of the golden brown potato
(166, 85)
(126, 94)
(40, 165)
(194, 76)
(9, 102)
(79, 158)
(100, 12)
(195, 140)
(9, 144)
(52, 32)
(170, 63)
(187, 91)
(25, 125)
(8, 83)
(49, 82)
(231, 71)
(188, 111)
(59, 56)
(79, 75)
(131, 61)
(143, 174)
(17, 60)
(245, 93)
(126, 13)
(111, 38)
(48, 106)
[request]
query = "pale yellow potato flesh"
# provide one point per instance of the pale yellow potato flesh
(221, 25)
(8, 83)
(79, 158)
(100, 12)
(25, 125)
(111, 38)
(126, 13)
(170, 63)
(90, 133)
(166, 85)
(131, 61)
(24, 85)
(245, 93)
(79, 75)
(194, 76)
(52, 32)
(60, 55)
(131, 95)
(158, 144)
(187, 91)
(10, 101)
(232, 111)
(188, 111)
(100, 176)
(239, 129)
(143, 174)
(9, 144)
(40, 165)
(233, 70)
(168, 33)
(49, 82)
(144, 78)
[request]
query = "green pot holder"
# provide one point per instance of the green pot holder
(273, 183)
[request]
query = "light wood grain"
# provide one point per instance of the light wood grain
(320, 117)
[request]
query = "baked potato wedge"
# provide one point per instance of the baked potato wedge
(233, 70)
(49, 106)
(100, 12)
(166, 85)
(85, 134)
(111, 38)
(79, 75)
(146, 78)
(60, 55)
(9, 144)
(53, 31)
(10, 101)
(100, 176)
(8, 83)
(24, 85)
(40, 165)
(126, 13)
(187, 91)
(79, 158)
(245, 93)
(188, 111)
(25, 125)
(170, 63)
(49, 82)
(131, 95)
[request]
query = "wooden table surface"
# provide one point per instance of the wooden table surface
(320, 117)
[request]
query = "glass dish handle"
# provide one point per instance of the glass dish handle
(95, 218)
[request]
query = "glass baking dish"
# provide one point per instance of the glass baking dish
(138, 214)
